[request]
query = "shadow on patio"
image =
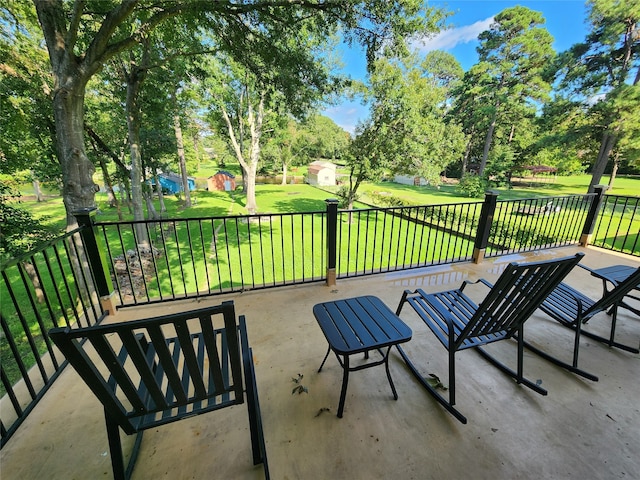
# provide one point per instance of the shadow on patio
(582, 429)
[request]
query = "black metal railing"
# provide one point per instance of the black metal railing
(537, 223)
(137, 263)
(380, 240)
(156, 261)
(48, 287)
(617, 225)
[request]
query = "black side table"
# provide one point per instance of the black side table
(359, 325)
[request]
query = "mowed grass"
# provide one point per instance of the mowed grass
(306, 198)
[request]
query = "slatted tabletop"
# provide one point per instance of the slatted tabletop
(360, 324)
(615, 273)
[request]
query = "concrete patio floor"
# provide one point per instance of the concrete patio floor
(582, 429)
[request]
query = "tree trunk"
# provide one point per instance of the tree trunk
(255, 125)
(608, 142)
(35, 280)
(37, 191)
(196, 148)
(182, 160)
(79, 189)
(284, 173)
(113, 200)
(152, 214)
(163, 208)
(134, 80)
(465, 158)
(614, 171)
(250, 165)
(487, 141)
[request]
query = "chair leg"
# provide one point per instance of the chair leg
(519, 378)
(115, 447)
(452, 377)
(607, 341)
(574, 366)
(258, 446)
(440, 399)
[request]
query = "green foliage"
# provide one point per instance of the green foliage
(25, 122)
(600, 76)
(20, 232)
(346, 196)
(499, 166)
(385, 199)
(500, 91)
(473, 185)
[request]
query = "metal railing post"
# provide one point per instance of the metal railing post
(484, 225)
(96, 258)
(332, 240)
(590, 222)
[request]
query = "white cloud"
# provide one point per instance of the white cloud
(448, 39)
(346, 115)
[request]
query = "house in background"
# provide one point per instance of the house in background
(410, 180)
(172, 183)
(221, 181)
(321, 173)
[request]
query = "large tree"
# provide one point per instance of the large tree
(509, 78)
(406, 131)
(602, 74)
(82, 35)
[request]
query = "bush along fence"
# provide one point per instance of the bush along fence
(137, 263)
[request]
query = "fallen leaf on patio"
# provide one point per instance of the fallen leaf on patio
(435, 382)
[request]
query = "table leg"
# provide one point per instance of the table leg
(325, 358)
(345, 380)
(386, 366)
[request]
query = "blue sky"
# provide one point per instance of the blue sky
(565, 20)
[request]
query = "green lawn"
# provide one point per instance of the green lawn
(215, 255)
(305, 198)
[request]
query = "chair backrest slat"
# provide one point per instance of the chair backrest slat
(168, 361)
(215, 372)
(148, 381)
(191, 369)
(514, 297)
(117, 371)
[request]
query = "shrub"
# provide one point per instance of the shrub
(473, 185)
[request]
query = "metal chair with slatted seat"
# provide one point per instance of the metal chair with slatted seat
(573, 309)
(155, 371)
(460, 324)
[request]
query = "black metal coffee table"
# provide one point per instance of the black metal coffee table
(359, 325)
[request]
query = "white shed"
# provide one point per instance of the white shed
(410, 180)
(321, 173)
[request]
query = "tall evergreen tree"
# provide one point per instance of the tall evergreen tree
(603, 75)
(509, 78)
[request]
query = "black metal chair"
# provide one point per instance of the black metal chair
(573, 309)
(155, 371)
(460, 324)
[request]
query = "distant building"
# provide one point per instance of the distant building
(321, 173)
(221, 181)
(173, 183)
(410, 180)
